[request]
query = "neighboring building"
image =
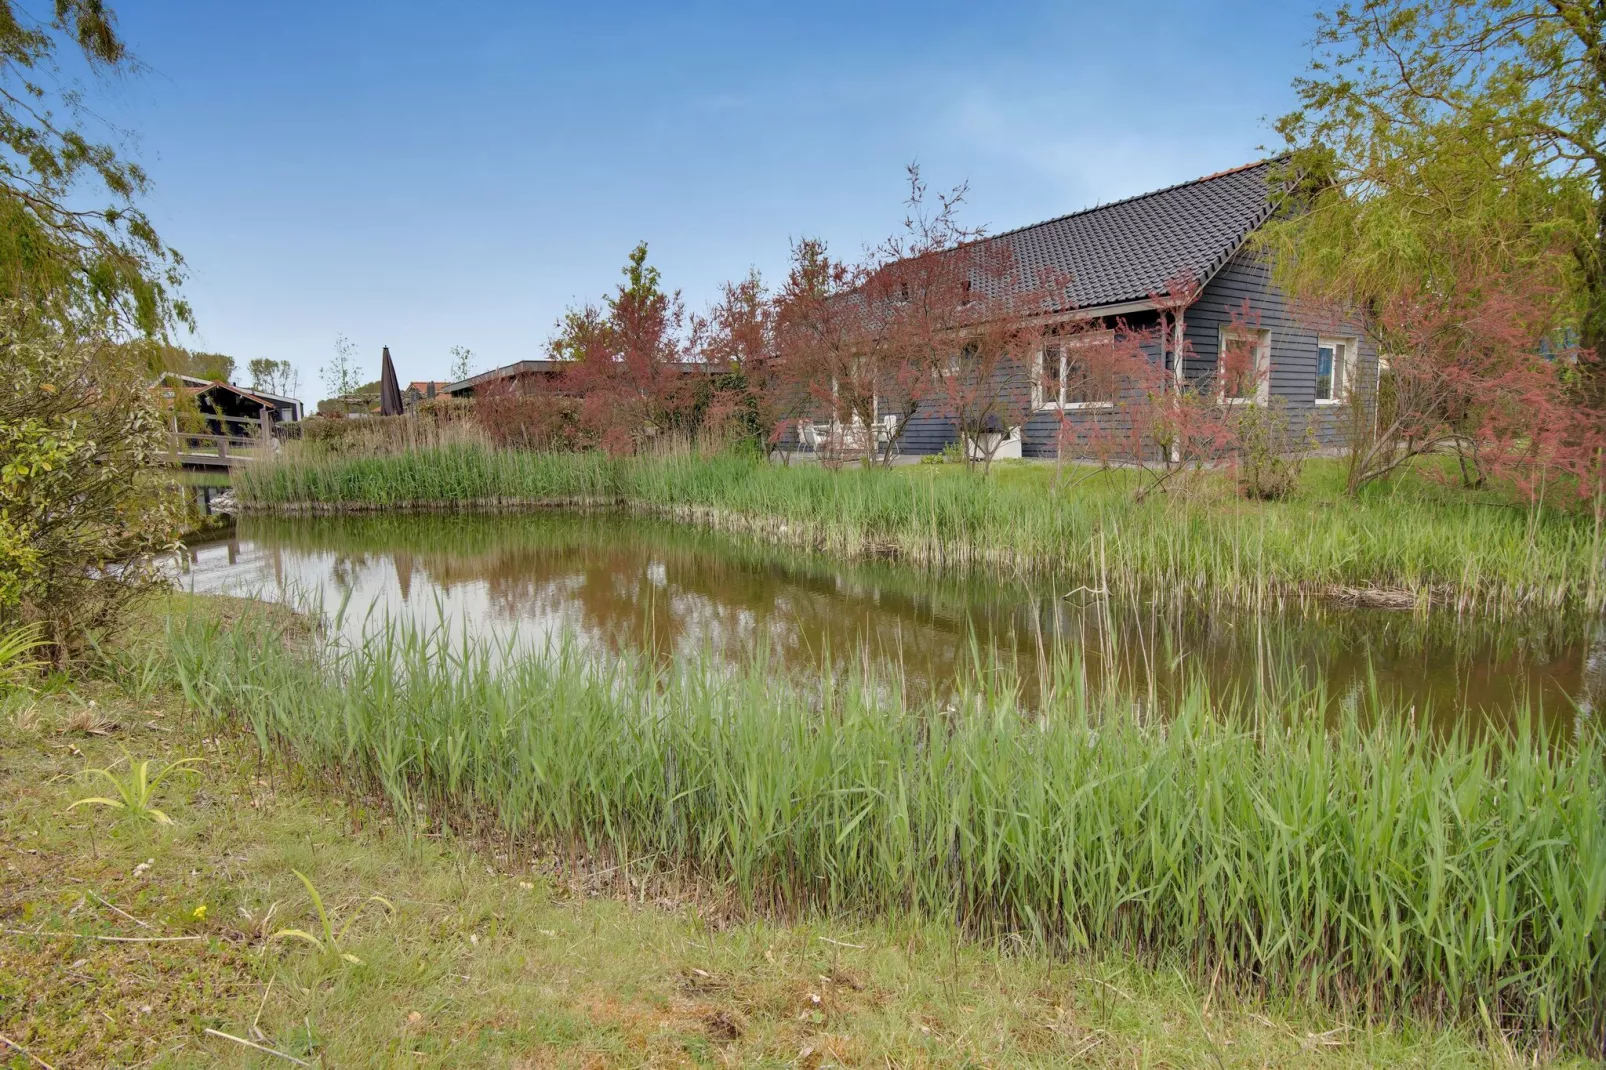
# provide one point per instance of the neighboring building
(226, 403)
(532, 376)
(425, 390)
(1119, 255)
(523, 376)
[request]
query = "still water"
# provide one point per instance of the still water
(623, 584)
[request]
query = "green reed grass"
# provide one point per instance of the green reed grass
(1435, 543)
(1368, 866)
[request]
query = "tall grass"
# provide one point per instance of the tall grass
(1435, 545)
(730, 588)
(1361, 865)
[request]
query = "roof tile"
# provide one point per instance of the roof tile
(1129, 250)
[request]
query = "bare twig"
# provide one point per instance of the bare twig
(253, 1044)
(8, 1042)
(107, 939)
(116, 910)
(266, 992)
(840, 943)
(1123, 993)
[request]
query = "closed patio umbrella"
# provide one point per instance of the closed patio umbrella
(390, 399)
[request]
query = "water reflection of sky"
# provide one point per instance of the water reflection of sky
(615, 585)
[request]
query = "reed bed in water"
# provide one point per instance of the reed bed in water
(1368, 866)
(1424, 543)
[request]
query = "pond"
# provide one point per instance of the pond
(620, 584)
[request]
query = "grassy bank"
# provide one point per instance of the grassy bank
(1416, 536)
(1358, 869)
(493, 953)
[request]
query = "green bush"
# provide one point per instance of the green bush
(86, 500)
(1270, 455)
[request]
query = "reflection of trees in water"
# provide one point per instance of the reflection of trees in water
(673, 601)
(346, 568)
(1594, 676)
(690, 603)
(402, 560)
(672, 590)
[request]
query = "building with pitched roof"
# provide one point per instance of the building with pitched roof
(224, 401)
(1116, 263)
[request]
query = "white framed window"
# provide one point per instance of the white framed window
(1335, 368)
(1243, 364)
(1072, 373)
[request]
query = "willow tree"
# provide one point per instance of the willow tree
(88, 293)
(73, 243)
(1443, 143)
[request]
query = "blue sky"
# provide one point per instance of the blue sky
(422, 175)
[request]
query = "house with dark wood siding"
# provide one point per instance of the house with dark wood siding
(1118, 257)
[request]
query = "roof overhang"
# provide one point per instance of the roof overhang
(276, 397)
(238, 391)
(506, 371)
(1123, 308)
(1095, 312)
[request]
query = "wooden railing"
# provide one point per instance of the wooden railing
(240, 441)
(221, 450)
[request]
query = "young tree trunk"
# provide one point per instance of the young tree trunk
(1592, 331)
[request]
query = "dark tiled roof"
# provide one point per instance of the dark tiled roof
(1128, 250)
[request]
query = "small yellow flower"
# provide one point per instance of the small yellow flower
(199, 912)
